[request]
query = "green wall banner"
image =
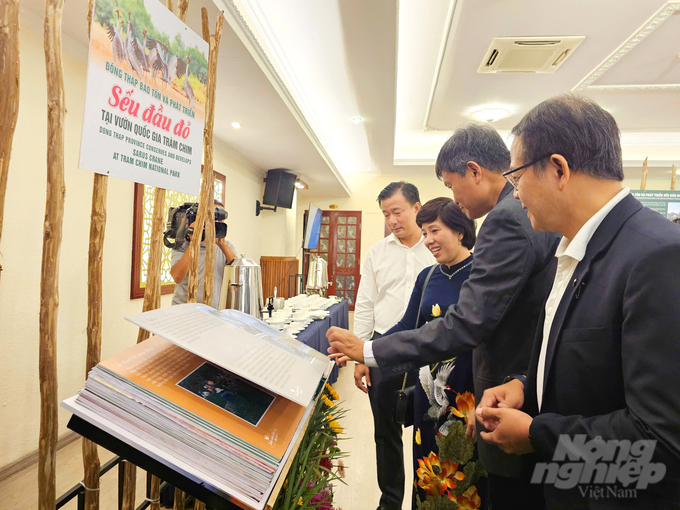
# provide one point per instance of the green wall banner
(664, 202)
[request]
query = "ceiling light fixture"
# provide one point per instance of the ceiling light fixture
(300, 184)
(368, 169)
(235, 125)
(489, 114)
(357, 120)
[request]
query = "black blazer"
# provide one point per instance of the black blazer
(495, 317)
(613, 352)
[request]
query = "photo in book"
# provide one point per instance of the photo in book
(229, 392)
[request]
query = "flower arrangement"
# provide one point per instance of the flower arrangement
(447, 487)
(317, 463)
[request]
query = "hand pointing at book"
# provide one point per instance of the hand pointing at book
(345, 346)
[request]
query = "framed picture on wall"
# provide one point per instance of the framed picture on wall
(141, 233)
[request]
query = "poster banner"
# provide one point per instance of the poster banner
(145, 100)
(666, 203)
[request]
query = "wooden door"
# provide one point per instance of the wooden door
(340, 246)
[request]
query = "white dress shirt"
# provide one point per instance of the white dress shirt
(569, 254)
(387, 280)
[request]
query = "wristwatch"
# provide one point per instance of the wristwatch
(520, 377)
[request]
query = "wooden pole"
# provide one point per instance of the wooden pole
(208, 174)
(152, 291)
(9, 84)
(673, 178)
(91, 464)
(152, 301)
(49, 276)
(643, 183)
(179, 500)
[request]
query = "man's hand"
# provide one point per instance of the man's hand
(361, 371)
(344, 344)
(471, 429)
(509, 429)
(223, 245)
(508, 395)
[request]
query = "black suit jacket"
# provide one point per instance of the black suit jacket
(495, 317)
(613, 352)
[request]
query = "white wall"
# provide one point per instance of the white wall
(365, 189)
(21, 251)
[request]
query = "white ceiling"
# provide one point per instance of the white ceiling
(270, 136)
(410, 70)
(295, 73)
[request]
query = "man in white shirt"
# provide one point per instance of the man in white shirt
(387, 280)
(603, 373)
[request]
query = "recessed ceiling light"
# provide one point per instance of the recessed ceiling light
(368, 169)
(357, 120)
(235, 125)
(489, 114)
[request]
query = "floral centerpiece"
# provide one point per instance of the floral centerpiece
(317, 463)
(449, 478)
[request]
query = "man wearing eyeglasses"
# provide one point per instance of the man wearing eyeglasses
(497, 313)
(603, 375)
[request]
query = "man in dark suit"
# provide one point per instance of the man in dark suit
(499, 305)
(600, 403)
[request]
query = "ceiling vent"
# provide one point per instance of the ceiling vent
(528, 54)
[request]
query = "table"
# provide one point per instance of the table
(314, 335)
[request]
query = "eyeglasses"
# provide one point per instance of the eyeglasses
(515, 180)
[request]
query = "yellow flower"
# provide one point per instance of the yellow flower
(335, 427)
(300, 501)
(437, 477)
(329, 417)
(466, 406)
(436, 311)
(418, 437)
(326, 400)
(469, 500)
(334, 394)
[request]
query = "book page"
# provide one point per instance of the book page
(233, 404)
(242, 344)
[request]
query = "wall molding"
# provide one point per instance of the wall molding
(636, 38)
(32, 458)
(453, 9)
(245, 32)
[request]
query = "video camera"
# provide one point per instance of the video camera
(179, 219)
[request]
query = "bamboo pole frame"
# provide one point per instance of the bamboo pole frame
(643, 182)
(152, 301)
(95, 260)
(9, 84)
(673, 171)
(52, 234)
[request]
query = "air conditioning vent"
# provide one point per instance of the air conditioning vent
(492, 58)
(528, 54)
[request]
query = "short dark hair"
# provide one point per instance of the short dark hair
(407, 189)
(217, 202)
(473, 142)
(446, 210)
(578, 129)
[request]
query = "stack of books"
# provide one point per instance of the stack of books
(219, 397)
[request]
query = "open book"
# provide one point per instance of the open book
(243, 345)
(202, 404)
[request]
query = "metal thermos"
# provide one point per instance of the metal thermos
(242, 287)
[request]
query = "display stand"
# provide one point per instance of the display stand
(216, 500)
